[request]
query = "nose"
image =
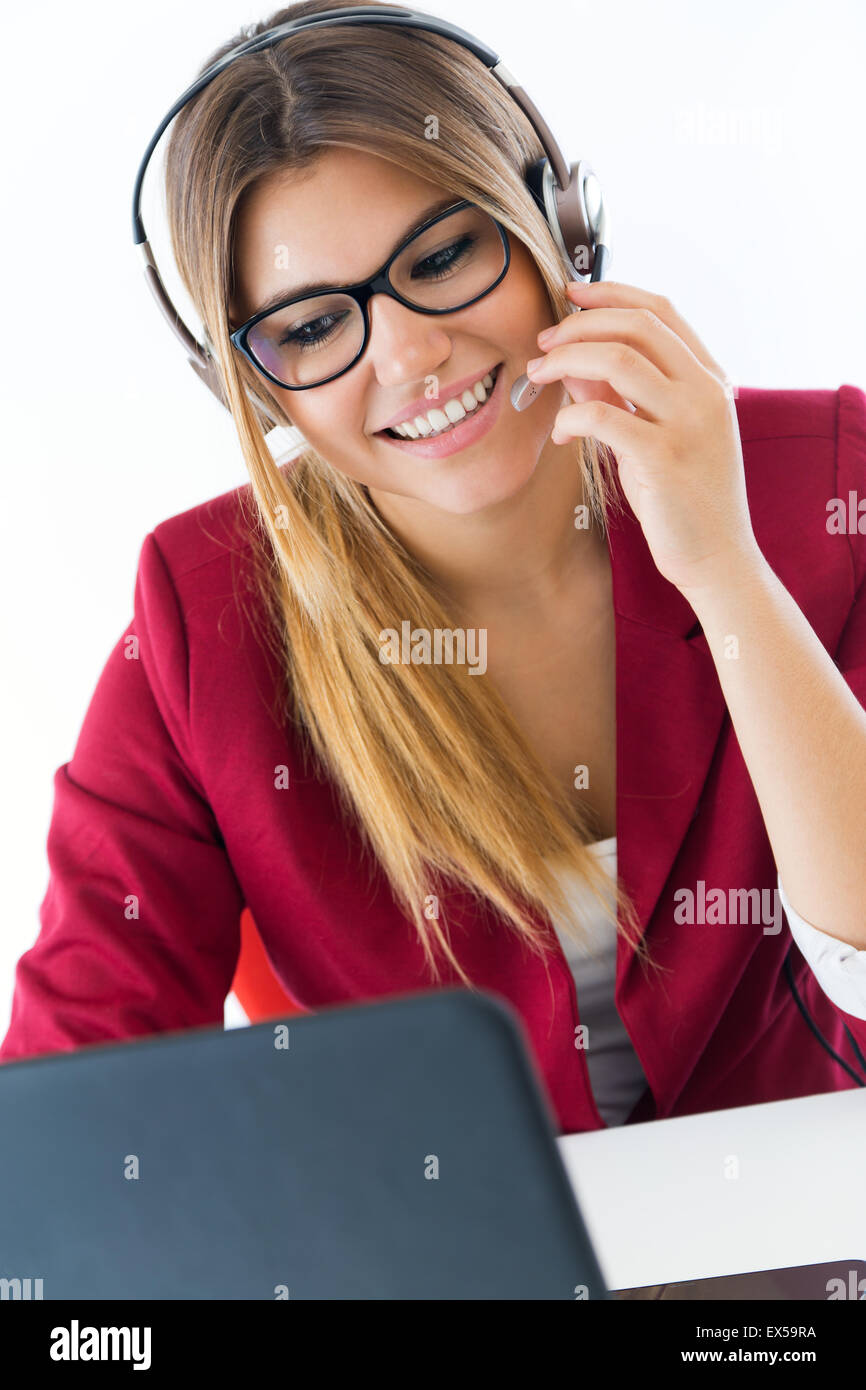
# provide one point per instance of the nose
(404, 345)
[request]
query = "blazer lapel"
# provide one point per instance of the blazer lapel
(669, 713)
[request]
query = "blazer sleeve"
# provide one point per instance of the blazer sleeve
(140, 923)
(839, 967)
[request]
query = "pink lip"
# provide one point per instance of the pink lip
(423, 404)
(475, 424)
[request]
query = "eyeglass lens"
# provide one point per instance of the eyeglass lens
(444, 267)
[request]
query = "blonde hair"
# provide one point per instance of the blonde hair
(429, 764)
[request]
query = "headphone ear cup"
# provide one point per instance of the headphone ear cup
(573, 220)
(578, 213)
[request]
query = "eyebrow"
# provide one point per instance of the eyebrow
(314, 287)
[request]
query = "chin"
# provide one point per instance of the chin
(478, 489)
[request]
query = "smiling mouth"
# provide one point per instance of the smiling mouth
(452, 424)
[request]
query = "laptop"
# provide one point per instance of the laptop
(402, 1148)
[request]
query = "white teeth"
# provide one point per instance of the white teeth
(454, 410)
(439, 419)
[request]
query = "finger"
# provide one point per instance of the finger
(631, 374)
(580, 390)
(628, 436)
(615, 294)
(642, 329)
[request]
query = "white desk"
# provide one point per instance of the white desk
(660, 1209)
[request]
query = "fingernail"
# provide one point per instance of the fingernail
(533, 363)
(546, 336)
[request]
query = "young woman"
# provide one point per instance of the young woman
(565, 704)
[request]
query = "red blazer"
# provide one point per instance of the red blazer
(170, 796)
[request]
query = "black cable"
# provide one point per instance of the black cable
(859, 1055)
(789, 975)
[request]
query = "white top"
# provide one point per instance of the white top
(617, 1078)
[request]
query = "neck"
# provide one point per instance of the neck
(519, 554)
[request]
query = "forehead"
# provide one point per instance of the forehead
(334, 223)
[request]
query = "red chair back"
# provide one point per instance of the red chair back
(259, 992)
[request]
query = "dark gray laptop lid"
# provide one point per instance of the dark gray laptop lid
(398, 1149)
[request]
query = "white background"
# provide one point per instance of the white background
(729, 141)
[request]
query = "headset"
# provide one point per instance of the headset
(568, 196)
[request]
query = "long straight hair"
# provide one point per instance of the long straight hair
(429, 764)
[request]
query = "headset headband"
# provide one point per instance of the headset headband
(570, 198)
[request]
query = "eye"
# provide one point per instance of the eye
(441, 263)
(307, 335)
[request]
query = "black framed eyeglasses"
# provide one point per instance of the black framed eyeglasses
(450, 262)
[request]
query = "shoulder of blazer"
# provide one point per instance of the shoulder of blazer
(768, 413)
(214, 532)
(803, 452)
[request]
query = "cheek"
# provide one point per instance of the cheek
(337, 434)
(527, 290)
(541, 415)
(327, 422)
